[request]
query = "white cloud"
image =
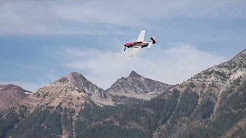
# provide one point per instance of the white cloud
(90, 17)
(172, 65)
(90, 13)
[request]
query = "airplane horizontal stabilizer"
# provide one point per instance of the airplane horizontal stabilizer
(150, 44)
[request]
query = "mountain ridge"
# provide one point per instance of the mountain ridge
(210, 104)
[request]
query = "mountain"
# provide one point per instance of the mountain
(58, 108)
(65, 97)
(210, 104)
(72, 91)
(137, 86)
(11, 94)
(223, 74)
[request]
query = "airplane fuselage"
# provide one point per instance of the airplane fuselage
(136, 44)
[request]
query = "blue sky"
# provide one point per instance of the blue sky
(43, 41)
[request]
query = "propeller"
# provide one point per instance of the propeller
(124, 46)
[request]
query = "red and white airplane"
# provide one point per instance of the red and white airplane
(139, 43)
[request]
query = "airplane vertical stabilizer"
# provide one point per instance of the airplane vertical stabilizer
(151, 42)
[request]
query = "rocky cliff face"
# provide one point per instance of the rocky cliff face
(11, 94)
(210, 104)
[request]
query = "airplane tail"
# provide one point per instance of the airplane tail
(151, 42)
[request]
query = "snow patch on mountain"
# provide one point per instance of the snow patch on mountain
(28, 92)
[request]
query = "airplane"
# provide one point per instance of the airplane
(139, 43)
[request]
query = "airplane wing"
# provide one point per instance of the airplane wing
(134, 51)
(141, 36)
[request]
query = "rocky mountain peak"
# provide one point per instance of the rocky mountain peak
(77, 81)
(137, 86)
(71, 91)
(10, 87)
(11, 94)
(75, 77)
(134, 74)
(72, 78)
